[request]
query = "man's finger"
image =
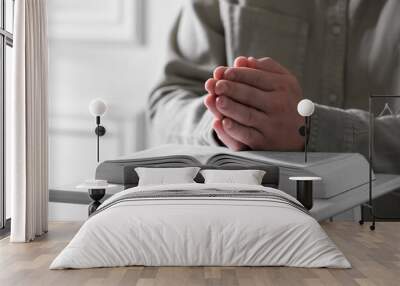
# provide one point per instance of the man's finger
(268, 65)
(247, 135)
(210, 85)
(240, 62)
(226, 139)
(266, 81)
(243, 93)
(209, 102)
(219, 72)
(241, 113)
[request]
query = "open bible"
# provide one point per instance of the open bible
(339, 172)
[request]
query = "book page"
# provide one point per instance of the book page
(283, 159)
(172, 152)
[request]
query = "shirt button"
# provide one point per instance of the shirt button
(332, 98)
(336, 29)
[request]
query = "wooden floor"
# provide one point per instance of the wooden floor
(375, 257)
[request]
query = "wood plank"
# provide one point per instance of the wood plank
(375, 257)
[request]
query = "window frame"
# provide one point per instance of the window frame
(6, 39)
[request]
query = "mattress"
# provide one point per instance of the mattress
(201, 225)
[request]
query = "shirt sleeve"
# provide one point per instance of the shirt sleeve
(339, 130)
(196, 46)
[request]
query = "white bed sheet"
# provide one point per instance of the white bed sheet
(200, 231)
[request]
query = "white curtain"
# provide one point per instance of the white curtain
(26, 127)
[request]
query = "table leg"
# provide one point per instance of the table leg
(305, 193)
(96, 195)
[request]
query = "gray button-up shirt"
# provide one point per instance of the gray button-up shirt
(342, 51)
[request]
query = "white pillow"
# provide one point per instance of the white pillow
(248, 177)
(163, 176)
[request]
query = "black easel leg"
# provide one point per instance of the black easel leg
(361, 221)
(372, 227)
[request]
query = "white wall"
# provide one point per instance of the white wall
(95, 52)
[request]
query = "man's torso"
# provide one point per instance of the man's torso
(341, 51)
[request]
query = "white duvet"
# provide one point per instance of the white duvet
(200, 231)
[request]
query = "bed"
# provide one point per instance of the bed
(201, 225)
